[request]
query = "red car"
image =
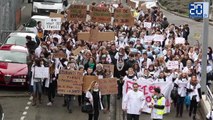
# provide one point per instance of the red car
(13, 66)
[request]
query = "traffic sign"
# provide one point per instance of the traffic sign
(199, 10)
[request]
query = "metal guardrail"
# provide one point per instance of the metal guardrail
(209, 96)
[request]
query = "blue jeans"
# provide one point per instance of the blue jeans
(37, 88)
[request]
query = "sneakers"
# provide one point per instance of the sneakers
(49, 104)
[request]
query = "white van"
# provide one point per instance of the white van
(31, 24)
(44, 7)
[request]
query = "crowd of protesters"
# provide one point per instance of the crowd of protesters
(133, 57)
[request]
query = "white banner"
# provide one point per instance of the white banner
(147, 87)
(172, 65)
(52, 24)
(41, 72)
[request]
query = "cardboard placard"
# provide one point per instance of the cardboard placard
(100, 15)
(84, 36)
(131, 4)
(105, 36)
(59, 54)
(56, 15)
(148, 25)
(108, 86)
(41, 72)
(77, 12)
(78, 50)
(180, 40)
(52, 24)
(159, 38)
(87, 80)
(99, 36)
(172, 65)
(70, 82)
(93, 35)
(109, 67)
(123, 16)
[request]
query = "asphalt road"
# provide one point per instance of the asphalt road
(19, 108)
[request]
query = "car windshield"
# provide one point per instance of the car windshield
(17, 40)
(13, 57)
(54, 1)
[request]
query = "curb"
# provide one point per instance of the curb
(180, 15)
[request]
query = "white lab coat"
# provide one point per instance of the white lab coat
(209, 115)
(134, 102)
(182, 84)
(194, 92)
(90, 97)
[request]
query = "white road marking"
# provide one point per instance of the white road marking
(23, 8)
(29, 103)
(24, 113)
(27, 107)
(22, 118)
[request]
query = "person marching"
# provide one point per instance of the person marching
(157, 105)
(134, 102)
(93, 95)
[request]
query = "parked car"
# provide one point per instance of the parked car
(13, 66)
(19, 38)
(1, 113)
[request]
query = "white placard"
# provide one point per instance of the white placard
(159, 38)
(180, 40)
(148, 25)
(148, 38)
(41, 72)
(171, 65)
(52, 24)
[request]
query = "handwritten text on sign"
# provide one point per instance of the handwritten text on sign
(52, 24)
(77, 12)
(147, 88)
(70, 82)
(123, 16)
(101, 15)
(41, 72)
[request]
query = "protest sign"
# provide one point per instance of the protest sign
(171, 65)
(56, 15)
(52, 24)
(159, 38)
(84, 36)
(147, 87)
(147, 25)
(123, 16)
(78, 50)
(180, 40)
(41, 72)
(108, 86)
(105, 36)
(70, 82)
(93, 35)
(148, 38)
(77, 12)
(96, 36)
(100, 15)
(59, 54)
(87, 80)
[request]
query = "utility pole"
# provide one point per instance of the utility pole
(204, 52)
